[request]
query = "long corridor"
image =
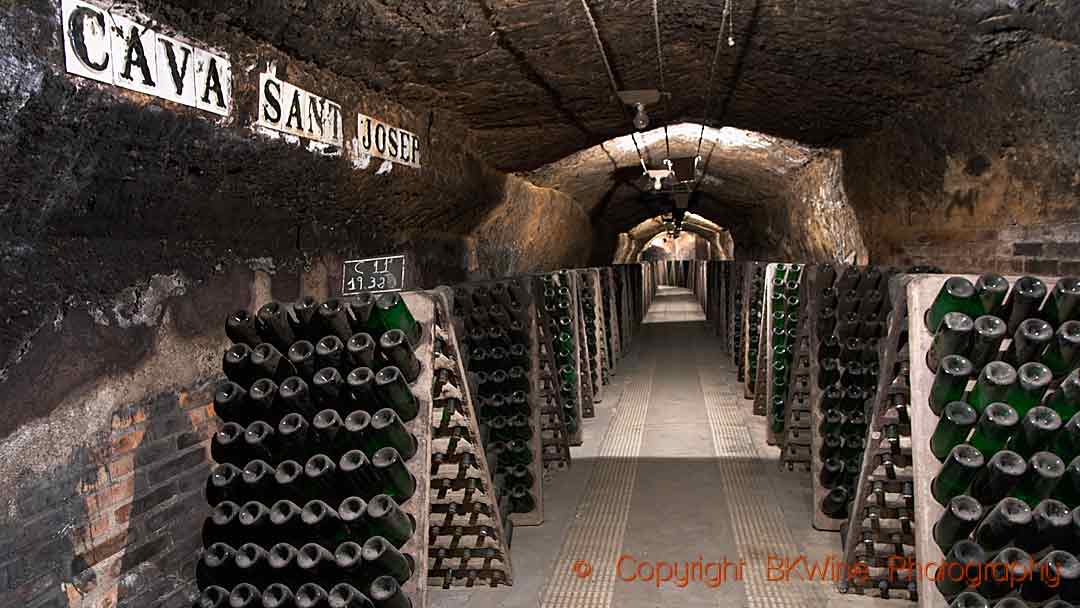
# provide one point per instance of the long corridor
(679, 502)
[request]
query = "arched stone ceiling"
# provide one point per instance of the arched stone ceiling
(525, 75)
(741, 172)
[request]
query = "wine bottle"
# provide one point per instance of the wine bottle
(953, 337)
(231, 403)
(360, 312)
(1051, 525)
(302, 356)
(991, 290)
(1003, 473)
(225, 483)
(213, 596)
(391, 312)
(323, 524)
(1029, 341)
(320, 474)
(362, 395)
(253, 566)
(330, 352)
(260, 442)
(236, 363)
(1009, 518)
(386, 519)
(996, 425)
(286, 522)
(311, 595)
(273, 326)
(393, 392)
(353, 513)
(1062, 355)
(254, 519)
(966, 599)
(1057, 571)
(1027, 294)
(294, 396)
(344, 595)
(386, 593)
(360, 351)
(278, 595)
(956, 423)
(397, 481)
(359, 476)
(832, 472)
(289, 481)
(240, 327)
(1036, 432)
(1044, 471)
(957, 294)
(834, 505)
(962, 513)
(831, 446)
(381, 557)
(283, 562)
(993, 385)
(262, 402)
(968, 555)
(217, 567)
(223, 525)
(961, 467)
(294, 437)
(1005, 572)
(387, 430)
(1064, 302)
(330, 435)
(329, 391)
(987, 335)
(228, 445)
(1067, 442)
(522, 500)
(335, 320)
(1032, 381)
(950, 381)
(306, 325)
(258, 478)
(399, 353)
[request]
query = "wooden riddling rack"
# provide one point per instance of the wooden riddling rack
(422, 307)
(763, 390)
(818, 393)
(554, 437)
(549, 317)
(921, 292)
(752, 306)
(737, 312)
(818, 279)
(770, 392)
(610, 300)
(881, 526)
(589, 349)
(797, 438)
(502, 294)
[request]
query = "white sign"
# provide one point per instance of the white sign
(116, 50)
(290, 109)
(388, 143)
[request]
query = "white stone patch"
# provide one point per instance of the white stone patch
(384, 168)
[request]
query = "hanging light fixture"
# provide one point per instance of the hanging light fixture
(641, 117)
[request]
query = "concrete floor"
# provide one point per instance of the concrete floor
(674, 478)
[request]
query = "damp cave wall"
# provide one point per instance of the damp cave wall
(129, 227)
(986, 177)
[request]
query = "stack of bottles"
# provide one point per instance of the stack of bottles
(500, 346)
(590, 311)
(737, 319)
(757, 305)
(850, 324)
(783, 341)
(611, 321)
(466, 544)
(311, 477)
(1009, 445)
(559, 321)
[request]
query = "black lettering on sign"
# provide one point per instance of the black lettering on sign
(271, 105)
(178, 72)
(392, 141)
(365, 139)
(316, 113)
(380, 138)
(416, 151)
(406, 139)
(373, 275)
(84, 21)
(213, 85)
(295, 111)
(335, 117)
(135, 56)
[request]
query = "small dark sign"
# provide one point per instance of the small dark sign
(373, 275)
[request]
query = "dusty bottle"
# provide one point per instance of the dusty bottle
(954, 337)
(950, 381)
(323, 524)
(321, 475)
(302, 356)
(387, 520)
(262, 402)
(303, 320)
(956, 423)
(273, 325)
(228, 445)
(385, 592)
(240, 327)
(1029, 341)
(391, 312)
(1062, 355)
(834, 505)
(362, 392)
(387, 430)
(993, 385)
(397, 481)
(260, 442)
(1008, 519)
(1055, 573)
(968, 555)
(991, 290)
(383, 558)
(1008, 568)
(253, 565)
(330, 352)
(1043, 473)
(399, 353)
(360, 351)
(223, 525)
(1027, 294)
(283, 562)
(312, 595)
(957, 294)
(225, 483)
(1064, 302)
(236, 363)
(278, 595)
(359, 475)
(1037, 431)
(344, 595)
(988, 334)
(231, 403)
(1050, 526)
(1032, 381)
(335, 320)
(1002, 474)
(963, 464)
(295, 396)
(360, 312)
(962, 513)
(1066, 399)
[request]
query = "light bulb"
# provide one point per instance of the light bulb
(641, 119)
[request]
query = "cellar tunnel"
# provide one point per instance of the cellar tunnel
(134, 219)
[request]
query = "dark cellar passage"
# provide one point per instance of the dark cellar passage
(598, 199)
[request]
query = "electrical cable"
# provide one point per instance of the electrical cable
(729, 19)
(660, 70)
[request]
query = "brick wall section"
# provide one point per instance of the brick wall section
(122, 526)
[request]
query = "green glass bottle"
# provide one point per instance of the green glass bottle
(1027, 294)
(953, 337)
(970, 556)
(1029, 342)
(956, 295)
(387, 430)
(1044, 471)
(398, 351)
(957, 522)
(1007, 519)
(993, 385)
(949, 382)
(991, 290)
(1001, 474)
(956, 422)
(996, 424)
(1066, 399)
(987, 335)
(1032, 381)
(391, 312)
(382, 557)
(1062, 355)
(1068, 489)
(779, 302)
(386, 519)
(1067, 442)
(393, 392)
(957, 473)
(1064, 302)
(1037, 431)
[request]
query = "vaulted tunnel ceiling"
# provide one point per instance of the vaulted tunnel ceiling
(525, 75)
